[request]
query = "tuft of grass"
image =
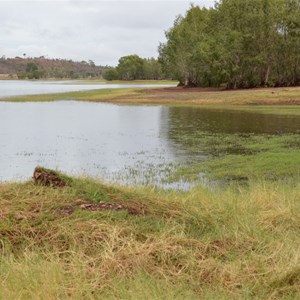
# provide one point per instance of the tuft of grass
(235, 243)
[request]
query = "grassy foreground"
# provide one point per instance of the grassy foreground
(237, 243)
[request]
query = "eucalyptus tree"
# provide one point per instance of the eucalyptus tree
(181, 55)
(130, 67)
(152, 69)
(238, 44)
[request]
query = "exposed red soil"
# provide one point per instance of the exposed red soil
(211, 89)
(181, 89)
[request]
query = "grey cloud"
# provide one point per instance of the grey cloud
(98, 30)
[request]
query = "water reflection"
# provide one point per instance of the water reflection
(10, 88)
(187, 119)
(99, 140)
(128, 144)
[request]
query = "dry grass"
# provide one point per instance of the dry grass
(268, 100)
(268, 96)
(237, 243)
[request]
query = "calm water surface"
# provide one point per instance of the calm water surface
(127, 144)
(10, 88)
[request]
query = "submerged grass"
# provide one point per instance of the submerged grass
(239, 156)
(237, 243)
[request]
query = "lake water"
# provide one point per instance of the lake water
(10, 88)
(127, 144)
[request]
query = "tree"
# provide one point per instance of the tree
(238, 44)
(110, 74)
(31, 67)
(91, 63)
(33, 72)
(130, 67)
(181, 54)
(152, 69)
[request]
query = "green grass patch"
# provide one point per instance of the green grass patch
(240, 157)
(234, 243)
(91, 95)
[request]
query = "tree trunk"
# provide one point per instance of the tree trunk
(267, 75)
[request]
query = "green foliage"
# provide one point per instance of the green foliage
(152, 69)
(110, 74)
(32, 72)
(239, 44)
(130, 67)
(133, 67)
(31, 67)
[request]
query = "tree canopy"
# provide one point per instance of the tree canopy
(238, 44)
(133, 67)
(130, 67)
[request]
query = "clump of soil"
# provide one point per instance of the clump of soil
(46, 177)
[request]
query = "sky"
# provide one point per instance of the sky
(102, 31)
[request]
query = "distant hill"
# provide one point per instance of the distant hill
(41, 67)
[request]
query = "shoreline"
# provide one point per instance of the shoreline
(175, 95)
(267, 100)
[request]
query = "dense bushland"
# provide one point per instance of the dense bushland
(41, 67)
(133, 67)
(236, 44)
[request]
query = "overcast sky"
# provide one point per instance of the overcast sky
(102, 31)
